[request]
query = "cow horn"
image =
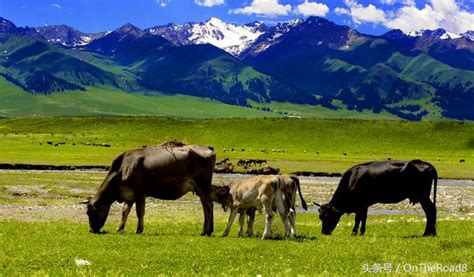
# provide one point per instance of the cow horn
(314, 202)
(87, 201)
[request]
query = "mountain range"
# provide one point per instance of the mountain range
(425, 74)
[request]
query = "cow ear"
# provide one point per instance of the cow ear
(87, 201)
(316, 204)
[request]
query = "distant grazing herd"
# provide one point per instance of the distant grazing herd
(173, 169)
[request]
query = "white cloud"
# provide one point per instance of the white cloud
(341, 11)
(410, 18)
(311, 9)
(209, 3)
(56, 6)
(409, 2)
(392, 2)
(388, 2)
(268, 8)
(163, 3)
(446, 14)
(361, 14)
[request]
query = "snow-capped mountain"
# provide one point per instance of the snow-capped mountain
(468, 35)
(270, 37)
(440, 33)
(67, 36)
(230, 37)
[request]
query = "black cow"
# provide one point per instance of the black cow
(381, 182)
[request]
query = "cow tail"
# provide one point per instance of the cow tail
(297, 182)
(435, 185)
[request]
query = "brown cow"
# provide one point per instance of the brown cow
(164, 172)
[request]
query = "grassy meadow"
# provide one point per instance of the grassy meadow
(322, 145)
(52, 248)
(44, 231)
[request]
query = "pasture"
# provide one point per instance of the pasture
(320, 145)
(45, 232)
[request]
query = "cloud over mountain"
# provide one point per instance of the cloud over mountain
(447, 14)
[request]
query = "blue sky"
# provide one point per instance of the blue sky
(373, 17)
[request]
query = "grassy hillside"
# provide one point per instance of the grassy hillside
(107, 101)
(291, 144)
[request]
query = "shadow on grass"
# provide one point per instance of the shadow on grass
(297, 238)
(413, 237)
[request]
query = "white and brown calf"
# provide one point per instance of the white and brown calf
(261, 192)
(290, 188)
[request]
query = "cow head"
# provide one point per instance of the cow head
(330, 216)
(221, 195)
(97, 213)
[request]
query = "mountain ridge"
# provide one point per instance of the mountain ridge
(303, 61)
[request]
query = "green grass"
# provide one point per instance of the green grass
(290, 144)
(107, 101)
(308, 111)
(43, 230)
(169, 247)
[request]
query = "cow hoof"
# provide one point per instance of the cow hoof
(206, 233)
(139, 232)
(354, 234)
(119, 231)
(429, 234)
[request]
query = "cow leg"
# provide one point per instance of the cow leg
(250, 220)
(292, 218)
(356, 224)
(140, 207)
(363, 219)
(233, 213)
(241, 223)
(430, 211)
(283, 212)
(208, 210)
(127, 206)
(268, 211)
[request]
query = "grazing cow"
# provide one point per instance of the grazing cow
(255, 193)
(224, 166)
(381, 182)
(259, 162)
(244, 162)
(164, 172)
